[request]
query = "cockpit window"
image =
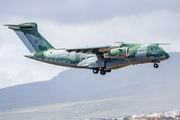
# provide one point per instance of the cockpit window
(151, 49)
(155, 49)
(160, 48)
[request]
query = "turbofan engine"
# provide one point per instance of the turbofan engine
(117, 53)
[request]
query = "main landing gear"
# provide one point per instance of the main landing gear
(156, 65)
(102, 71)
(95, 71)
(108, 71)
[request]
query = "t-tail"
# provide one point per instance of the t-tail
(30, 36)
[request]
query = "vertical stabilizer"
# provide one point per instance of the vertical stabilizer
(30, 36)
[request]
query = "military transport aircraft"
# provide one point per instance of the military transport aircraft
(101, 58)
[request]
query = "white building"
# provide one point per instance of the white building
(175, 112)
(154, 115)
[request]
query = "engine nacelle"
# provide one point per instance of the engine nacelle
(117, 53)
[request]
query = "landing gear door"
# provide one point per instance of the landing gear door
(96, 64)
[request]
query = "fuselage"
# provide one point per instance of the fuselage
(138, 54)
(101, 58)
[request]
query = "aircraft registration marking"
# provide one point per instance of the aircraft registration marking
(153, 53)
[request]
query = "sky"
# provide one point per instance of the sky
(78, 23)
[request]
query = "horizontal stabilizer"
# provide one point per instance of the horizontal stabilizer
(20, 26)
(26, 25)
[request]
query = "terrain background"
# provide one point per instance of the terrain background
(31, 89)
(78, 93)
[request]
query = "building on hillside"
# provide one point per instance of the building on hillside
(134, 116)
(175, 112)
(158, 114)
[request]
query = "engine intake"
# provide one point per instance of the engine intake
(117, 53)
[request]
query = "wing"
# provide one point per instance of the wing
(163, 43)
(96, 49)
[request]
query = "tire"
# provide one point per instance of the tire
(102, 72)
(95, 71)
(156, 65)
(108, 71)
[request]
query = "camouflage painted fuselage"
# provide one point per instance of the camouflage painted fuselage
(105, 57)
(138, 54)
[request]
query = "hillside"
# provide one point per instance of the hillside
(142, 85)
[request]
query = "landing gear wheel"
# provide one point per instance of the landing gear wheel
(95, 71)
(108, 71)
(156, 65)
(102, 72)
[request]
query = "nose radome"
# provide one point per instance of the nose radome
(167, 55)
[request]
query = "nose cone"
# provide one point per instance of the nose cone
(167, 55)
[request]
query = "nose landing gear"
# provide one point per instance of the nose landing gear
(156, 65)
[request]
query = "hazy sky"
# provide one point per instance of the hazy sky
(78, 23)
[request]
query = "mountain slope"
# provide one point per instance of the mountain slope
(75, 85)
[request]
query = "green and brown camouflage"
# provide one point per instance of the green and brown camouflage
(101, 58)
(30, 31)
